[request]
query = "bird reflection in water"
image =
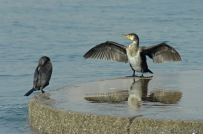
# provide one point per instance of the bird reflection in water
(138, 92)
(165, 96)
(108, 97)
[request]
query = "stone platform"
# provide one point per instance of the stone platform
(164, 103)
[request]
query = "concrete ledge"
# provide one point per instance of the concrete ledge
(105, 107)
(46, 119)
(157, 126)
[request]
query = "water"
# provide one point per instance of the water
(65, 30)
(158, 97)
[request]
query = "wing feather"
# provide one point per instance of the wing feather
(161, 53)
(45, 73)
(108, 50)
(35, 79)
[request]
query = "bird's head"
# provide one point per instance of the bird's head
(131, 36)
(43, 60)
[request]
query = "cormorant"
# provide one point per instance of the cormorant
(42, 75)
(136, 55)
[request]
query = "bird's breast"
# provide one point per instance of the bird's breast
(135, 60)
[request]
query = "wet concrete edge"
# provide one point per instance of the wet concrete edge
(45, 118)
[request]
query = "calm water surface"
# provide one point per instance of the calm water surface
(65, 30)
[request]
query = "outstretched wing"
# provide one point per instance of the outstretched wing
(161, 53)
(108, 50)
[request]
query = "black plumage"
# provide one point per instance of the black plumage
(136, 55)
(42, 75)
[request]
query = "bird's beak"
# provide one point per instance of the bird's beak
(126, 36)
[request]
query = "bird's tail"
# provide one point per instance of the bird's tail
(29, 92)
(149, 71)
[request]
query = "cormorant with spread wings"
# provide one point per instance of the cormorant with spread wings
(136, 55)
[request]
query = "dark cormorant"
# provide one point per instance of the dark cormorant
(136, 55)
(42, 75)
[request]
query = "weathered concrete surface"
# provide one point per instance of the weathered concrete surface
(171, 103)
(157, 126)
(47, 119)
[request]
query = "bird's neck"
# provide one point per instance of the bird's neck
(134, 44)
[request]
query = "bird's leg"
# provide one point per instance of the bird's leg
(133, 73)
(142, 75)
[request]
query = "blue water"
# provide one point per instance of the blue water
(64, 30)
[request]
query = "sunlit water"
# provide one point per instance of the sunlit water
(65, 30)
